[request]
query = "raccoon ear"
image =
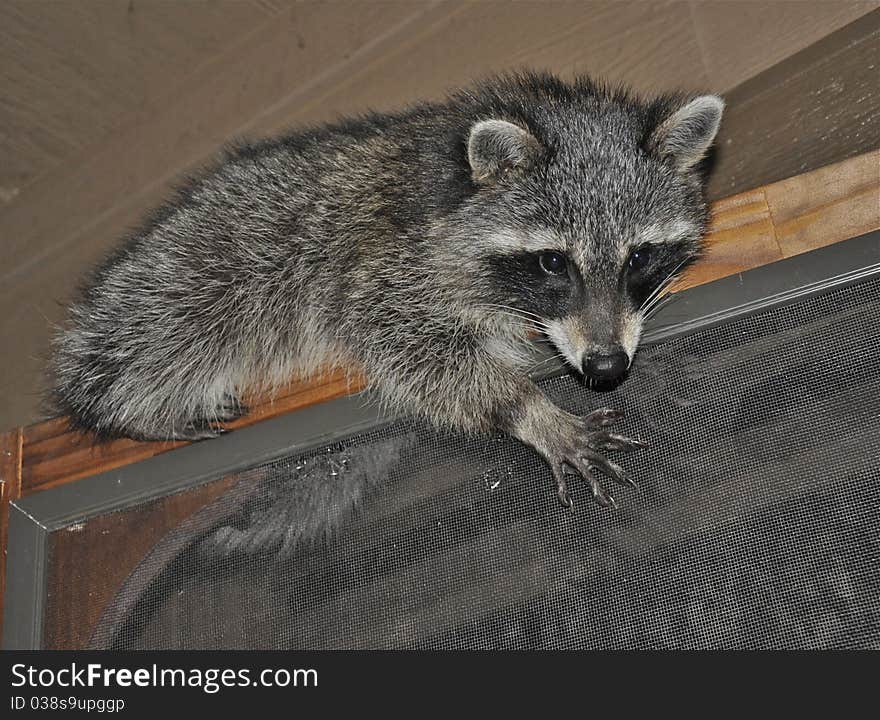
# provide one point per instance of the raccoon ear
(686, 135)
(495, 147)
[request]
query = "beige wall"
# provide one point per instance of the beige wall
(103, 103)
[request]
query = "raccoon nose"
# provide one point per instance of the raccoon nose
(606, 366)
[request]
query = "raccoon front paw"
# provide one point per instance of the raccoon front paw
(578, 449)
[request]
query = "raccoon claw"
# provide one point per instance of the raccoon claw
(611, 442)
(562, 486)
(602, 418)
(195, 432)
(231, 409)
(574, 444)
(583, 458)
(603, 497)
(586, 464)
(205, 429)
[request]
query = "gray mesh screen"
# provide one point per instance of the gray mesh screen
(755, 525)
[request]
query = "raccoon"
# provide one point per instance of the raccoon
(424, 247)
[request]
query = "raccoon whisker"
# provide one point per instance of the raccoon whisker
(532, 322)
(518, 311)
(655, 294)
(526, 325)
(659, 290)
(525, 321)
(646, 308)
(656, 307)
(551, 358)
(511, 307)
(521, 326)
(657, 303)
(516, 315)
(651, 296)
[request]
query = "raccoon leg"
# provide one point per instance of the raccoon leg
(568, 441)
(483, 387)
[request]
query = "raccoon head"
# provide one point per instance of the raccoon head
(584, 218)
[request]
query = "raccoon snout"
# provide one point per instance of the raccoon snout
(606, 366)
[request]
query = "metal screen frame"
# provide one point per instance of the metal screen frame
(32, 519)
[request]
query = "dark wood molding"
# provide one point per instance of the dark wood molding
(817, 107)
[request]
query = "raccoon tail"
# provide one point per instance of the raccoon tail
(302, 502)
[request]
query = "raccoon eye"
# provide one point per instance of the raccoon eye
(552, 263)
(639, 259)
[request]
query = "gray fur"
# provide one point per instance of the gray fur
(403, 244)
